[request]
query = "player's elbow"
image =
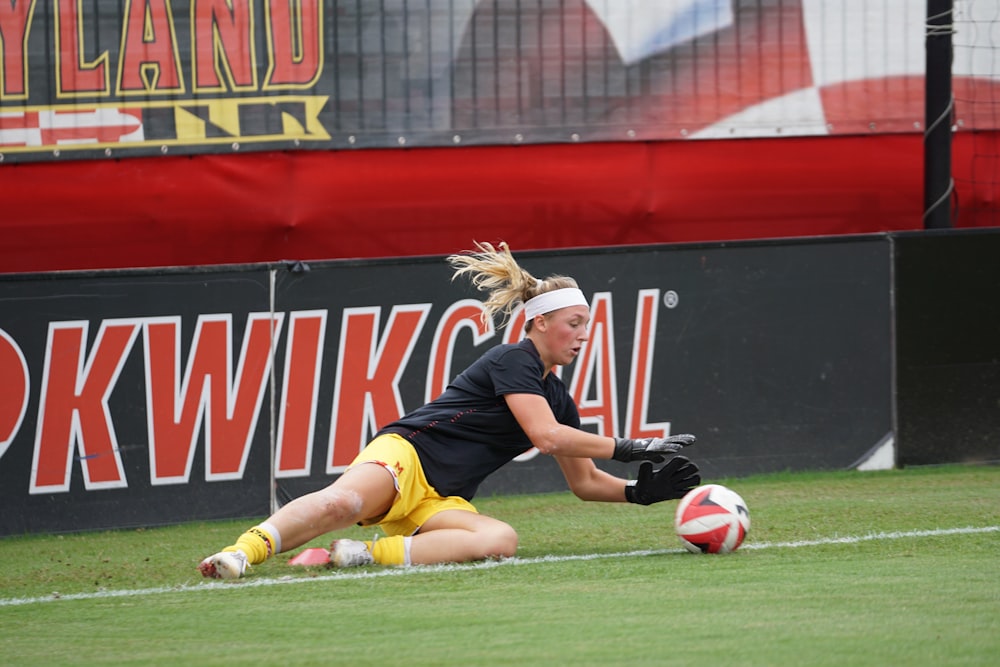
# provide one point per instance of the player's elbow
(585, 490)
(547, 441)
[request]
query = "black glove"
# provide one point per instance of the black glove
(650, 449)
(671, 481)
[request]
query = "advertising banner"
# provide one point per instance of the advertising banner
(151, 397)
(130, 399)
(102, 78)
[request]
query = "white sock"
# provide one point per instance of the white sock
(406, 550)
(273, 532)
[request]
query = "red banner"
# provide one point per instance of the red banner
(96, 78)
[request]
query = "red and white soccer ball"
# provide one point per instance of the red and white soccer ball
(712, 519)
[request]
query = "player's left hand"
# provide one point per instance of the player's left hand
(650, 449)
(671, 481)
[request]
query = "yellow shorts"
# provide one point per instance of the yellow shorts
(416, 500)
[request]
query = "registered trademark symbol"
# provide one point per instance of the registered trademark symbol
(670, 299)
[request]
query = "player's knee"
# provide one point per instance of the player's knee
(501, 543)
(341, 505)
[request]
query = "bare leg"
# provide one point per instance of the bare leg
(365, 491)
(455, 536)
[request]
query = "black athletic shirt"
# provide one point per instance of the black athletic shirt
(468, 431)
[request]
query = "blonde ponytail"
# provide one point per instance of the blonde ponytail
(495, 271)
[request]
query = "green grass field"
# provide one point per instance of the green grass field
(846, 568)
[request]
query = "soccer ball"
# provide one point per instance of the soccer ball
(712, 519)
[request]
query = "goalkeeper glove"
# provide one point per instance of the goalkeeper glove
(650, 449)
(671, 481)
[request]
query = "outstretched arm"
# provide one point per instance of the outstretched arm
(575, 450)
(549, 436)
(670, 482)
(588, 482)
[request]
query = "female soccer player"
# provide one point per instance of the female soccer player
(416, 478)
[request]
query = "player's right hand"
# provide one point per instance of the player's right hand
(650, 449)
(671, 481)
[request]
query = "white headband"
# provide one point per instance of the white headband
(554, 300)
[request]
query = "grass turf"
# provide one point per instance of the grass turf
(840, 568)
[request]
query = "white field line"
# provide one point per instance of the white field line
(479, 565)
